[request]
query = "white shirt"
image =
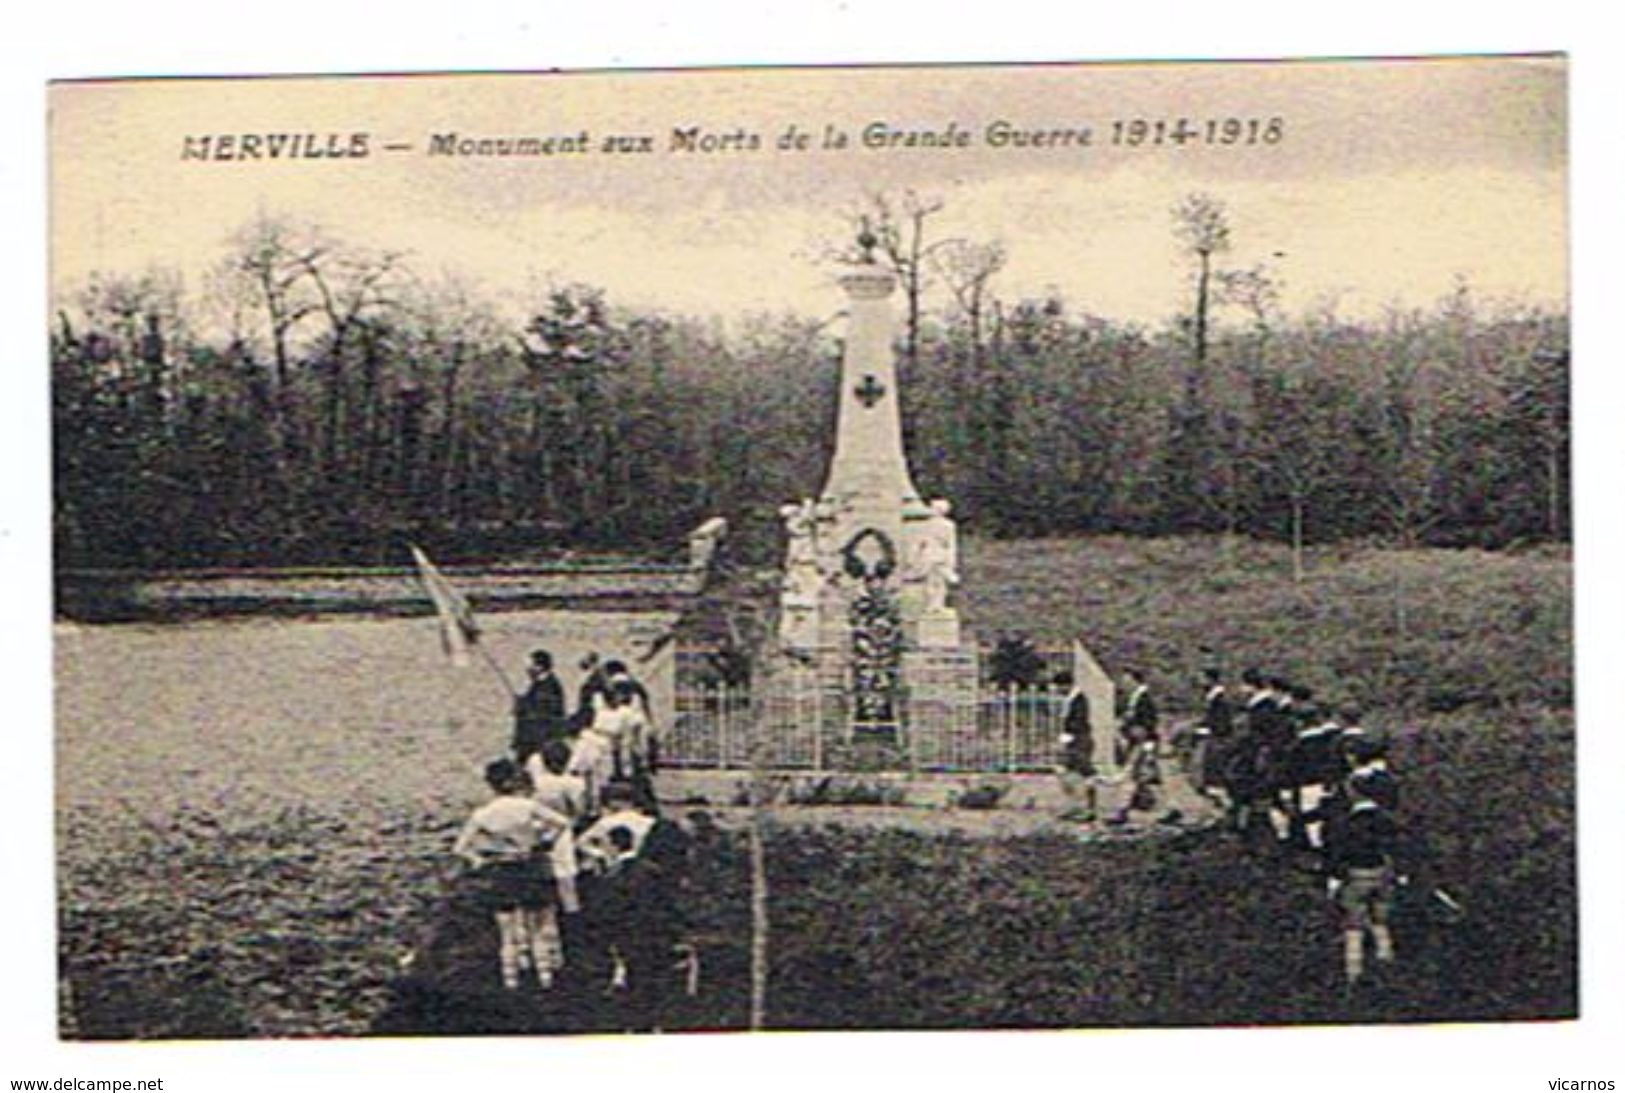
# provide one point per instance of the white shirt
(563, 793)
(595, 842)
(510, 828)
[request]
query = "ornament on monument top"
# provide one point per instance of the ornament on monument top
(865, 278)
(866, 244)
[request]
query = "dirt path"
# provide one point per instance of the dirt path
(1032, 803)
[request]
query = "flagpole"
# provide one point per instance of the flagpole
(497, 668)
(458, 630)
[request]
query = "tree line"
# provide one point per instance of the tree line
(320, 402)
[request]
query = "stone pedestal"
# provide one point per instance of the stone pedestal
(938, 630)
(942, 707)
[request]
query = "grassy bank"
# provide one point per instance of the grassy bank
(1405, 631)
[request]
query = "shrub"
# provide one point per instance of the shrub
(983, 797)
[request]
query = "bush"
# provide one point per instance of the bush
(983, 797)
(1015, 662)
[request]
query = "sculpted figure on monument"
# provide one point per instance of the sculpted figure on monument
(937, 557)
(801, 573)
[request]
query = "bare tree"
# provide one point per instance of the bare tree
(968, 268)
(353, 288)
(1296, 418)
(981, 415)
(1257, 291)
(267, 270)
(1202, 226)
(145, 318)
(899, 226)
(450, 329)
(1407, 498)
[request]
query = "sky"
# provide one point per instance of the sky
(1389, 180)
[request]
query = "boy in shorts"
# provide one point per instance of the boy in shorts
(507, 844)
(1361, 878)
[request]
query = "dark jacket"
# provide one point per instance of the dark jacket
(538, 715)
(1367, 837)
(1219, 715)
(596, 684)
(1379, 784)
(1140, 718)
(1078, 755)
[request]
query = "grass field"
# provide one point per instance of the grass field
(252, 830)
(1397, 631)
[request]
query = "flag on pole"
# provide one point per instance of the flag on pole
(458, 630)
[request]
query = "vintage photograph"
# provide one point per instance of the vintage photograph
(869, 548)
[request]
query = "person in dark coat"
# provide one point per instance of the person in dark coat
(1248, 761)
(1213, 734)
(1139, 721)
(1138, 742)
(1077, 747)
(1362, 876)
(539, 713)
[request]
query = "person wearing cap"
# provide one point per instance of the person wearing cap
(1361, 877)
(538, 713)
(521, 858)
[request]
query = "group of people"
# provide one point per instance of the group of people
(1276, 761)
(609, 736)
(571, 852)
(571, 856)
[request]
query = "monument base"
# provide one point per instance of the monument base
(937, 630)
(942, 703)
(811, 723)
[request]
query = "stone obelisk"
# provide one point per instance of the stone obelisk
(870, 565)
(868, 476)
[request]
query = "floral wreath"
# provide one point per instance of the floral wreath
(855, 565)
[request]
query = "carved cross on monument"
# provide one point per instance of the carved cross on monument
(870, 391)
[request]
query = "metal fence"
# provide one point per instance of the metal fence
(803, 724)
